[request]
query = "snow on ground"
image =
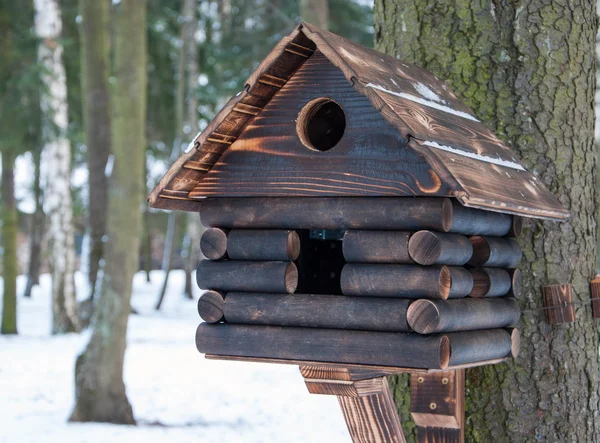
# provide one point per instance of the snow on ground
(176, 394)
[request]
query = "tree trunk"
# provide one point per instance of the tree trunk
(315, 12)
(9, 244)
(37, 230)
(193, 231)
(527, 69)
(168, 255)
(57, 164)
(100, 391)
(95, 72)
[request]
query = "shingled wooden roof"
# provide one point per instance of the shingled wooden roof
(481, 170)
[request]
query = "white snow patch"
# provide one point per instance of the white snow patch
(423, 102)
(475, 156)
(166, 381)
(427, 93)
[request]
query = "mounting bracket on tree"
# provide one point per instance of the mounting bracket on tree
(416, 204)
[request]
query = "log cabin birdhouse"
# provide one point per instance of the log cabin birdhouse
(362, 222)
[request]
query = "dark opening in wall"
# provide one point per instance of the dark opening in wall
(321, 124)
(320, 262)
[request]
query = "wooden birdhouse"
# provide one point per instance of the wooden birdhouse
(362, 222)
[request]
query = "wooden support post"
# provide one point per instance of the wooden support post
(367, 403)
(437, 404)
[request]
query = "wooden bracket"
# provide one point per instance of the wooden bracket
(437, 406)
(558, 303)
(595, 293)
(366, 401)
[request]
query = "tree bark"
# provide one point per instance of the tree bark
(57, 164)
(95, 71)
(37, 230)
(9, 244)
(527, 69)
(100, 391)
(315, 12)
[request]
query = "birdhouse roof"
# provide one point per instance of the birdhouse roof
(479, 168)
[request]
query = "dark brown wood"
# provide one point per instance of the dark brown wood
(437, 406)
(229, 275)
(490, 282)
(461, 282)
(327, 213)
(210, 306)
(431, 316)
(377, 247)
(358, 388)
(429, 248)
(495, 252)
(213, 243)
(558, 303)
(348, 372)
(474, 346)
(595, 293)
(317, 311)
(373, 418)
(404, 281)
(263, 245)
(324, 345)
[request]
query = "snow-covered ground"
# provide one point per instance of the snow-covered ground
(176, 394)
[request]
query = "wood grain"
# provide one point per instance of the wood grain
(328, 213)
(213, 243)
(236, 275)
(324, 345)
(495, 252)
(360, 246)
(492, 282)
(434, 316)
(595, 293)
(263, 245)
(473, 346)
(429, 248)
(317, 311)
(558, 301)
(211, 306)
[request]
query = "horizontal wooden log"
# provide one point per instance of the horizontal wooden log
(429, 248)
(247, 276)
(461, 282)
(468, 221)
(471, 347)
(404, 281)
(431, 316)
(376, 247)
(210, 306)
(317, 311)
(263, 245)
(490, 282)
(409, 214)
(213, 243)
(407, 350)
(495, 252)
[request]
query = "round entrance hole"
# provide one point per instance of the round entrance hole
(321, 124)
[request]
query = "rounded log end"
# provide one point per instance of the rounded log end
(423, 316)
(445, 352)
(445, 281)
(447, 214)
(425, 247)
(481, 283)
(291, 278)
(517, 226)
(213, 243)
(515, 339)
(481, 251)
(210, 306)
(516, 283)
(292, 245)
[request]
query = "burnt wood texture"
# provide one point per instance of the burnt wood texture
(469, 347)
(376, 247)
(210, 306)
(429, 248)
(437, 406)
(495, 252)
(263, 245)
(325, 345)
(319, 311)
(493, 282)
(433, 316)
(213, 243)
(450, 153)
(229, 275)
(558, 303)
